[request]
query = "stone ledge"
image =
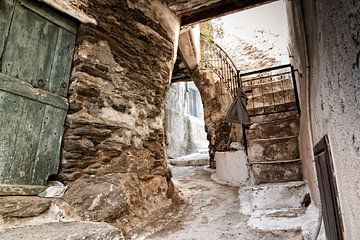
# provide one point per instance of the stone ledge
(64, 231)
(21, 206)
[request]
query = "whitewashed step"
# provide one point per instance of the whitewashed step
(305, 221)
(272, 196)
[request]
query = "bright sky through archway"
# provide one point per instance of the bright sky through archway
(269, 17)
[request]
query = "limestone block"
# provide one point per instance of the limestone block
(285, 148)
(274, 129)
(64, 231)
(277, 172)
(97, 199)
(23, 206)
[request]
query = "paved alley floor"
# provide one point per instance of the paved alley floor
(213, 213)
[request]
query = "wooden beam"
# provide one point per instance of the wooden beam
(219, 9)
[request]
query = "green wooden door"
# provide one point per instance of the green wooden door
(36, 48)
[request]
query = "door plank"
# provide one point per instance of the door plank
(6, 12)
(11, 111)
(29, 51)
(328, 206)
(27, 138)
(61, 68)
(55, 17)
(36, 43)
(48, 152)
(328, 190)
(15, 86)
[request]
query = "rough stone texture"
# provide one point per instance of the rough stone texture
(274, 129)
(217, 101)
(22, 207)
(64, 231)
(285, 148)
(279, 172)
(113, 155)
(330, 92)
(185, 133)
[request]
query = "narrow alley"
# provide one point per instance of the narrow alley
(213, 212)
(179, 119)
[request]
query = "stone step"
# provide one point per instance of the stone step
(23, 206)
(275, 172)
(275, 207)
(273, 149)
(64, 230)
(260, 87)
(273, 116)
(271, 99)
(272, 196)
(274, 129)
(284, 107)
(195, 159)
(304, 220)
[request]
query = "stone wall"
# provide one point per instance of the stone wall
(328, 60)
(216, 100)
(113, 156)
(185, 133)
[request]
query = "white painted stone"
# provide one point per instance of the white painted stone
(272, 196)
(307, 222)
(278, 207)
(231, 168)
(195, 159)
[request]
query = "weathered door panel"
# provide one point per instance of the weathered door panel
(29, 49)
(6, 12)
(61, 68)
(31, 132)
(36, 48)
(49, 144)
(328, 190)
(10, 118)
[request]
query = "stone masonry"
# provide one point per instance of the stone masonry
(113, 151)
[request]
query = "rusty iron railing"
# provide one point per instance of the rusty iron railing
(216, 59)
(271, 90)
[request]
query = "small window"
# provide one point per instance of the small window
(192, 101)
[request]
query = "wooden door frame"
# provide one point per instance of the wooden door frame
(323, 147)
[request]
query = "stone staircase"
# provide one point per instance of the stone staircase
(278, 198)
(273, 137)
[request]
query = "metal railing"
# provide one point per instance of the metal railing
(215, 58)
(271, 90)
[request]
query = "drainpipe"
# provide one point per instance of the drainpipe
(307, 76)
